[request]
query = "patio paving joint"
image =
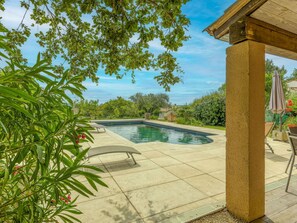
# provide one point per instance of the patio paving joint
(123, 193)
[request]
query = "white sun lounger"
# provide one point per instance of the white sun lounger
(96, 151)
(97, 126)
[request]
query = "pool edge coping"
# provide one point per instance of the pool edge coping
(169, 125)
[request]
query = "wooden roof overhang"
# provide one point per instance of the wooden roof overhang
(271, 22)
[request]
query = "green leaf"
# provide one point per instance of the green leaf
(68, 162)
(81, 186)
(74, 91)
(75, 188)
(3, 55)
(40, 153)
(72, 217)
(80, 156)
(74, 211)
(3, 126)
(15, 94)
(65, 219)
(92, 177)
(92, 167)
(71, 148)
(35, 173)
(91, 182)
(19, 157)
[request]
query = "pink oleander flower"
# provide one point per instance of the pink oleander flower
(16, 168)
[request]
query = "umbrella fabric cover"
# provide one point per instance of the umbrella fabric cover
(277, 102)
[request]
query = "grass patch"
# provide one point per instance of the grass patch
(215, 127)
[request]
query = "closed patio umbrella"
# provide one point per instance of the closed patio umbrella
(277, 103)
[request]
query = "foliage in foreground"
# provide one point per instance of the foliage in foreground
(40, 156)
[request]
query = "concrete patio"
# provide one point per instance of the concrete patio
(170, 183)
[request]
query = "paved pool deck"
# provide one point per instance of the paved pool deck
(170, 183)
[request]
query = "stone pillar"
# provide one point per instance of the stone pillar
(245, 164)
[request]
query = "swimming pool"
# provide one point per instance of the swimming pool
(142, 132)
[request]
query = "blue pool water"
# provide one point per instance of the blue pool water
(142, 133)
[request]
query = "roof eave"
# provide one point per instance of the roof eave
(228, 13)
(236, 11)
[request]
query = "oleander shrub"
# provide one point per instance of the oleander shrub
(40, 136)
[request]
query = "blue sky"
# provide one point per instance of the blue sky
(202, 58)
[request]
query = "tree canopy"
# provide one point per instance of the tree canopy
(111, 35)
(87, 108)
(118, 108)
(136, 107)
(150, 103)
(293, 75)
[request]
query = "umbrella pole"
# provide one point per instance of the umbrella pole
(280, 121)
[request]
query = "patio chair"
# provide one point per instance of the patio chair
(97, 126)
(268, 128)
(101, 150)
(293, 132)
(293, 142)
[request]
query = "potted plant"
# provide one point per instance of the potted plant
(291, 124)
(286, 122)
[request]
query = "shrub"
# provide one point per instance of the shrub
(185, 113)
(293, 98)
(189, 121)
(40, 155)
(211, 109)
(88, 108)
(118, 108)
(290, 121)
(150, 103)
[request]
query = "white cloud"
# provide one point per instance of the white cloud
(107, 78)
(14, 14)
(213, 82)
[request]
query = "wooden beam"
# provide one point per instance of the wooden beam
(228, 13)
(237, 31)
(248, 28)
(246, 10)
(280, 52)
